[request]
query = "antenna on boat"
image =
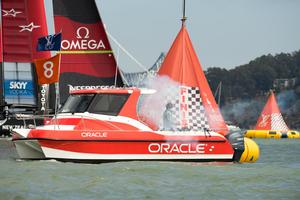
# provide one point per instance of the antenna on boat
(183, 19)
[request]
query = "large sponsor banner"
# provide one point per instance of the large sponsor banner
(19, 89)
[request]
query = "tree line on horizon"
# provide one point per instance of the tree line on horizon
(252, 82)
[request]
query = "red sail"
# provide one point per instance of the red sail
(1, 45)
(271, 118)
(182, 65)
(23, 22)
(87, 57)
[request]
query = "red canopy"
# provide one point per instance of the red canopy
(271, 118)
(182, 65)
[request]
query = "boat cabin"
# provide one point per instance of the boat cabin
(105, 101)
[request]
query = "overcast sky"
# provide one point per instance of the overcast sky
(224, 33)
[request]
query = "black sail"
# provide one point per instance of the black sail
(87, 59)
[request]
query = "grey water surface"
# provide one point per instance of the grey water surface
(276, 175)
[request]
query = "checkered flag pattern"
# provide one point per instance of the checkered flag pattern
(277, 122)
(195, 118)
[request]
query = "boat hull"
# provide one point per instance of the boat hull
(125, 151)
(112, 147)
(29, 149)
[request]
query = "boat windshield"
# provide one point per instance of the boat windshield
(108, 104)
(77, 103)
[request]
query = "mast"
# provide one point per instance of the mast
(184, 18)
(218, 92)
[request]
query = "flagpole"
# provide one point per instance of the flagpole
(117, 65)
(57, 99)
(51, 43)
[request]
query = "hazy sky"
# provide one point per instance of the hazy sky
(224, 33)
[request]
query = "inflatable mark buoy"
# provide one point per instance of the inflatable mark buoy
(293, 134)
(271, 134)
(251, 152)
(263, 134)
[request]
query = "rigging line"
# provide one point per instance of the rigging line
(125, 51)
(123, 77)
(120, 71)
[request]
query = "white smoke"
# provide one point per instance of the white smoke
(153, 106)
(245, 113)
(286, 100)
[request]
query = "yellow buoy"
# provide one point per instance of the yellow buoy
(293, 134)
(271, 134)
(263, 134)
(251, 152)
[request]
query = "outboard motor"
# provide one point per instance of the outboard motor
(236, 139)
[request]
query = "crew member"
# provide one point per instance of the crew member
(168, 118)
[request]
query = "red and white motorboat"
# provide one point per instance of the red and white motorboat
(109, 124)
(103, 125)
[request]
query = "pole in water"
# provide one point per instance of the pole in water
(183, 14)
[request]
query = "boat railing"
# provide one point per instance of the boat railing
(32, 121)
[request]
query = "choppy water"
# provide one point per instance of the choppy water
(276, 175)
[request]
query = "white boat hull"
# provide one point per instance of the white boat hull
(29, 149)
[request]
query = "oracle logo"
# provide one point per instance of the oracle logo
(83, 42)
(184, 148)
(94, 134)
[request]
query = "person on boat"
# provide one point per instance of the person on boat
(168, 118)
(5, 112)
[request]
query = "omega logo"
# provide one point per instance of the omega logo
(87, 32)
(83, 41)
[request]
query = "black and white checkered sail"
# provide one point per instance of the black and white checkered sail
(271, 118)
(197, 106)
(188, 111)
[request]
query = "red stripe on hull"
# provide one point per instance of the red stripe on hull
(112, 147)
